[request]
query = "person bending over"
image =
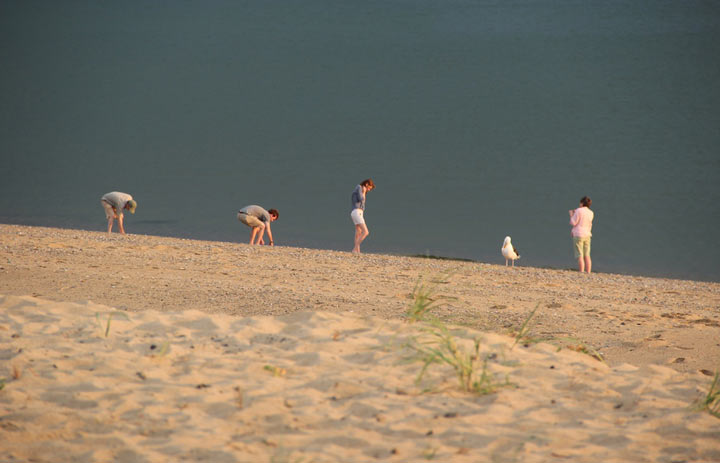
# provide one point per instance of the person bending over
(114, 203)
(258, 219)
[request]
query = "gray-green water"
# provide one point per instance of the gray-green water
(476, 119)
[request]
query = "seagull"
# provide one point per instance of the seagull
(509, 252)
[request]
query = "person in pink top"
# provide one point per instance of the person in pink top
(581, 220)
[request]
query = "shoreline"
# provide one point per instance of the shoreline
(569, 268)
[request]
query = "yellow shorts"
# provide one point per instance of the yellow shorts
(581, 246)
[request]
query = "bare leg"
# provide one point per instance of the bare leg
(581, 264)
(257, 234)
(506, 262)
(588, 264)
(361, 232)
(358, 232)
(110, 224)
(120, 223)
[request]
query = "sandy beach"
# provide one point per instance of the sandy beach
(144, 348)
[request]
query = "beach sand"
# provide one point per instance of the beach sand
(226, 352)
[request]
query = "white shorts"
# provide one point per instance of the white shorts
(357, 216)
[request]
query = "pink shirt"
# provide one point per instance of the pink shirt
(581, 222)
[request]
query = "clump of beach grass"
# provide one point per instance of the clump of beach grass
(429, 453)
(579, 346)
(425, 298)
(523, 333)
(110, 316)
(711, 401)
(522, 336)
(275, 370)
(437, 345)
(162, 351)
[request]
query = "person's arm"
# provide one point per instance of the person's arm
(574, 217)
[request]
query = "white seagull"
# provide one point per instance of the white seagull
(509, 252)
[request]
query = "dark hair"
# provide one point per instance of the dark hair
(368, 182)
(274, 212)
(586, 201)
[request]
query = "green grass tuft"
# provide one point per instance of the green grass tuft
(275, 370)
(425, 300)
(431, 256)
(523, 336)
(437, 345)
(110, 316)
(711, 401)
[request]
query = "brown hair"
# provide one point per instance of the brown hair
(368, 183)
(586, 201)
(274, 212)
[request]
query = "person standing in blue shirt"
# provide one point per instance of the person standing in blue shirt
(358, 211)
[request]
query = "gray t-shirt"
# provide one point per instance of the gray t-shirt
(257, 212)
(116, 199)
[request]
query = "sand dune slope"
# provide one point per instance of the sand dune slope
(628, 319)
(318, 387)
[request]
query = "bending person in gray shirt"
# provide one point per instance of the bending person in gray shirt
(114, 203)
(259, 220)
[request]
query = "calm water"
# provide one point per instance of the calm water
(476, 119)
